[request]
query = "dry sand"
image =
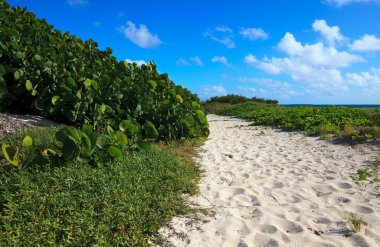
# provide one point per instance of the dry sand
(265, 187)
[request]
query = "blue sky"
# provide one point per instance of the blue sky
(296, 51)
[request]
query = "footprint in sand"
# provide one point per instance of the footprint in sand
(262, 240)
(362, 209)
(270, 229)
(290, 227)
(344, 185)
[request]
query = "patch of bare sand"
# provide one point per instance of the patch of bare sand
(265, 187)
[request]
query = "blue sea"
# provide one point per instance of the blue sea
(353, 106)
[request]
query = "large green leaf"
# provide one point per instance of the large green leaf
(68, 133)
(11, 154)
(18, 74)
(70, 150)
(120, 138)
(29, 85)
(54, 99)
(87, 83)
(115, 153)
(152, 84)
(37, 57)
(27, 142)
(151, 132)
(129, 126)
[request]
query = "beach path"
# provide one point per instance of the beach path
(266, 187)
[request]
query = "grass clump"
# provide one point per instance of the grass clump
(100, 203)
(354, 222)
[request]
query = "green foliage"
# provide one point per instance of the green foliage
(57, 75)
(115, 152)
(354, 222)
(343, 122)
(109, 203)
(27, 142)
(237, 99)
(371, 174)
(151, 132)
(11, 153)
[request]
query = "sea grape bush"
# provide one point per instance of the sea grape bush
(237, 99)
(54, 74)
(343, 122)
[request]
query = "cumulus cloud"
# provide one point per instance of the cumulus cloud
(220, 59)
(366, 43)
(212, 90)
(253, 33)
(222, 35)
(369, 78)
(140, 36)
(197, 60)
(138, 62)
(77, 2)
(340, 3)
(311, 63)
(316, 54)
(330, 33)
(183, 62)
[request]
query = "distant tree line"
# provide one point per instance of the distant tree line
(237, 99)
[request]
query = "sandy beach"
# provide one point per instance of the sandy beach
(266, 187)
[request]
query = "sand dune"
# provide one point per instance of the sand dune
(265, 187)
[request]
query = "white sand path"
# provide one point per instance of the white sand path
(265, 187)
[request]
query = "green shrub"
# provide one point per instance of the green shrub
(237, 99)
(51, 73)
(349, 124)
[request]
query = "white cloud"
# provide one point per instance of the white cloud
(222, 35)
(214, 90)
(330, 33)
(197, 60)
(340, 3)
(366, 43)
(140, 36)
(316, 54)
(77, 2)
(369, 78)
(253, 33)
(224, 29)
(183, 62)
(310, 63)
(97, 24)
(138, 62)
(220, 59)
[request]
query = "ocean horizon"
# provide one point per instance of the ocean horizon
(339, 105)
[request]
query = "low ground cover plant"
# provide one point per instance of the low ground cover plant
(349, 124)
(104, 203)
